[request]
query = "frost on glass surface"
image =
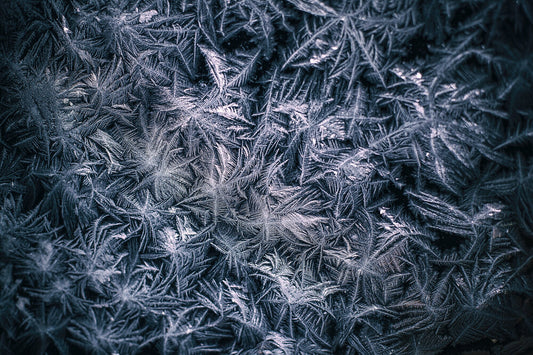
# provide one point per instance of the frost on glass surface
(266, 177)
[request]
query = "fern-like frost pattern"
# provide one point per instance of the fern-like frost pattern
(266, 177)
